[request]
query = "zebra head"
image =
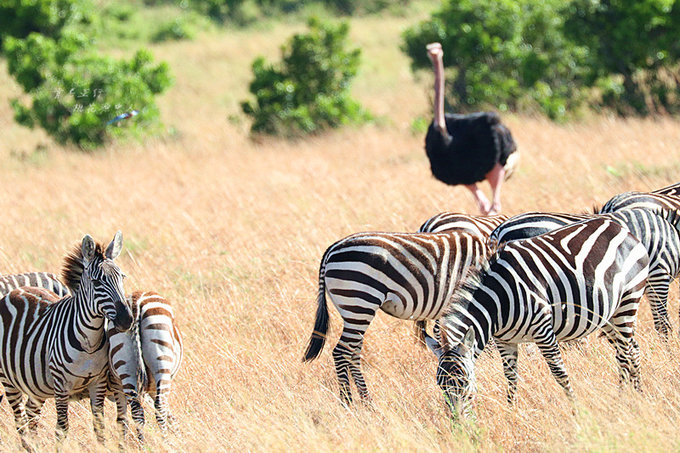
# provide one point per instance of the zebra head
(103, 280)
(456, 372)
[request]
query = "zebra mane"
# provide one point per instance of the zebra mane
(462, 295)
(73, 266)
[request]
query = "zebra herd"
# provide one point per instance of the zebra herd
(536, 277)
(85, 338)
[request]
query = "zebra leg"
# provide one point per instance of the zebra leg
(14, 398)
(627, 355)
(342, 357)
(161, 403)
(138, 416)
(61, 404)
(121, 414)
(635, 364)
(97, 396)
(657, 294)
(551, 353)
(508, 353)
(33, 411)
(355, 368)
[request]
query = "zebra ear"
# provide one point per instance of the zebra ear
(114, 248)
(433, 345)
(87, 249)
(469, 341)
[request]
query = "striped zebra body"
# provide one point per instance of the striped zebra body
(146, 358)
(481, 226)
(673, 190)
(408, 276)
(43, 280)
(559, 286)
(57, 348)
(643, 200)
(658, 231)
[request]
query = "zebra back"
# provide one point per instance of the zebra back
(43, 280)
(672, 190)
(532, 224)
(631, 200)
(481, 226)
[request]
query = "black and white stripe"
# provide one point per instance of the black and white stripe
(643, 200)
(146, 358)
(57, 348)
(407, 275)
(556, 287)
(43, 280)
(672, 190)
(658, 230)
(481, 226)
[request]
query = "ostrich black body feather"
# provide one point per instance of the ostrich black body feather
(479, 140)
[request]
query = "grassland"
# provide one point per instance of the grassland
(231, 231)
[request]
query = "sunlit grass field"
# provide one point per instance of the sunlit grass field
(231, 231)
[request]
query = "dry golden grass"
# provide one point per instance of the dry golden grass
(232, 230)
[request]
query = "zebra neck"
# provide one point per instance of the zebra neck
(90, 336)
(463, 318)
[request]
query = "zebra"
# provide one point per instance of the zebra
(645, 200)
(672, 190)
(57, 348)
(473, 224)
(558, 286)
(146, 358)
(43, 280)
(481, 226)
(407, 275)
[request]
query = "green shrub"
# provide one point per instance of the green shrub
(173, 30)
(634, 47)
(309, 90)
(19, 18)
(506, 54)
(74, 90)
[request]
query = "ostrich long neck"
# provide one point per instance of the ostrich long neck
(437, 57)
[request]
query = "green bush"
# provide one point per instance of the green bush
(172, 31)
(634, 51)
(74, 90)
(19, 18)
(509, 54)
(309, 90)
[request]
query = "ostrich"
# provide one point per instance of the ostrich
(467, 149)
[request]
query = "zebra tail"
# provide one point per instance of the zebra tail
(419, 330)
(142, 378)
(318, 338)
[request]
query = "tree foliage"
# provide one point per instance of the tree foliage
(633, 45)
(553, 55)
(74, 90)
(506, 53)
(308, 91)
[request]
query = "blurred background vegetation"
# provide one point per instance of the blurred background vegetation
(554, 58)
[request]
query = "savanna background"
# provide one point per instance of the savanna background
(231, 230)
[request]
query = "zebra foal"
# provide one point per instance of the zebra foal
(56, 348)
(555, 287)
(406, 275)
(145, 358)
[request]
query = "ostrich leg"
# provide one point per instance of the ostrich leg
(495, 178)
(480, 198)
